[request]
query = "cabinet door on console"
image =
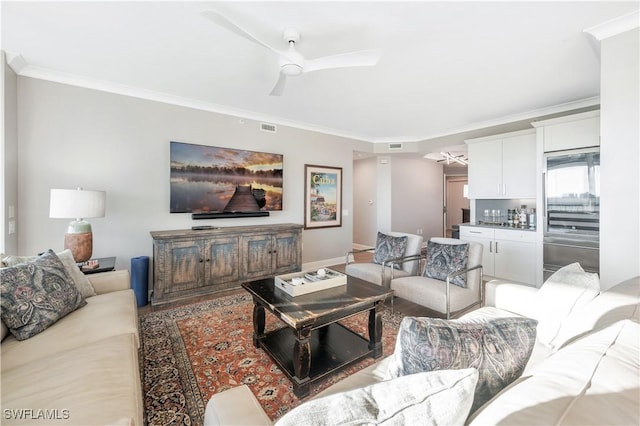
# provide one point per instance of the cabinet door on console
(287, 256)
(186, 266)
(257, 255)
(222, 261)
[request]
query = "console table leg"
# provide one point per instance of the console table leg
(375, 330)
(258, 323)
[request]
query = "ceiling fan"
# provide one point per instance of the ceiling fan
(292, 63)
(448, 157)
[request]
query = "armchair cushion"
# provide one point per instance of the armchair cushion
(443, 259)
(36, 294)
(371, 272)
(389, 247)
(499, 348)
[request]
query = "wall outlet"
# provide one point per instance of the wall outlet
(12, 227)
(419, 231)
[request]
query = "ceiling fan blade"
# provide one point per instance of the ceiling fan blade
(361, 58)
(279, 87)
(229, 25)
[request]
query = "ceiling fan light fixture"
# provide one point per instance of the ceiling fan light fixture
(454, 159)
(291, 70)
(291, 62)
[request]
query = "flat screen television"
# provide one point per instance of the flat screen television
(208, 179)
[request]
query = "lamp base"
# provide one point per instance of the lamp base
(81, 245)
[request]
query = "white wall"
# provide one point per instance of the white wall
(9, 159)
(406, 194)
(417, 196)
(384, 187)
(365, 201)
(620, 159)
(71, 136)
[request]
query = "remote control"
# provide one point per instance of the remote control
(202, 227)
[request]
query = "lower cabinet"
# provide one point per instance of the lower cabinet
(189, 263)
(507, 253)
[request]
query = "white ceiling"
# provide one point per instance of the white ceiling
(447, 67)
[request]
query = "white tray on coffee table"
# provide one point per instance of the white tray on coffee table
(311, 281)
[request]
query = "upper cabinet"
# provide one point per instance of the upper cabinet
(570, 132)
(503, 166)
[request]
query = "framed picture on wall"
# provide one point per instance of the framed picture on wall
(322, 196)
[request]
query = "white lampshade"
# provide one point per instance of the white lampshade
(76, 203)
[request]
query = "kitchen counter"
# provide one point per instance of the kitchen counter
(496, 226)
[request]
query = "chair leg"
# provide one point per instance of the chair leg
(448, 296)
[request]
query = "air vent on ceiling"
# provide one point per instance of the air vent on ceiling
(265, 127)
(395, 146)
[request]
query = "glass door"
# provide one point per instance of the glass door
(572, 192)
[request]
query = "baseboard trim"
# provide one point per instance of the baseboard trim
(312, 266)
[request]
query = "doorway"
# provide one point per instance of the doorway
(456, 205)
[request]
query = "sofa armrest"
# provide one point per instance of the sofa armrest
(517, 298)
(235, 406)
(107, 282)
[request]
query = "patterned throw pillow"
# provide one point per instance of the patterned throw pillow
(66, 257)
(499, 348)
(389, 248)
(435, 397)
(443, 259)
(36, 294)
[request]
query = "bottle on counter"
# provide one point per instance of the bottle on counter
(523, 216)
(532, 219)
(516, 218)
(510, 217)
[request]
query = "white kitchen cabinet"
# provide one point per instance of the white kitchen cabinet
(509, 254)
(485, 237)
(570, 132)
(503, 166)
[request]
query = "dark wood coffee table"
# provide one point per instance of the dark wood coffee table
(314, 344)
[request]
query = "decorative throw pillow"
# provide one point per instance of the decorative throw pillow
(564, 292)
(443, 259)
(436, 398)
(499, 348)
(80, 280)
(34, 295)
(388, 248)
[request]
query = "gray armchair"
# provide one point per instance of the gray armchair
(442, 295)
(382, 273)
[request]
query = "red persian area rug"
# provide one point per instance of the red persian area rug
(192, 352)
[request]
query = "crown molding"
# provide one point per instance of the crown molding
(528, 115)
(22, 68)
(120, 89)
(614, 26)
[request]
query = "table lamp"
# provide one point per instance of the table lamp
(77, 204)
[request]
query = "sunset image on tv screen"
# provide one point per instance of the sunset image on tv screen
(214, 179)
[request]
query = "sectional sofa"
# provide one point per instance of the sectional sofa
(81, 370)
(584, 367)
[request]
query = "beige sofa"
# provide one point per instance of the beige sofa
(84, 369)
(588, 372)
